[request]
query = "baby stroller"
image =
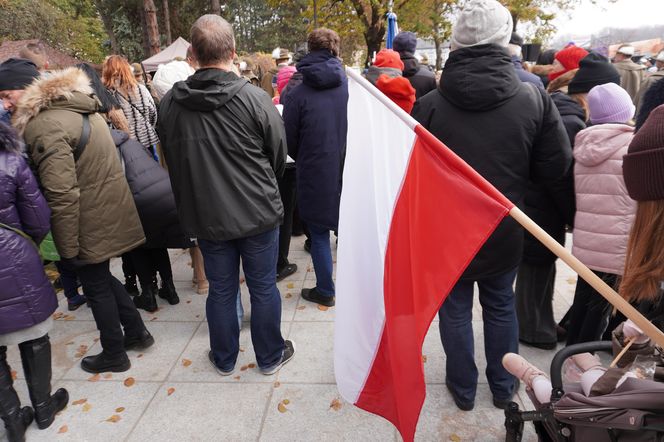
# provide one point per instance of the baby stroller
(632, 412)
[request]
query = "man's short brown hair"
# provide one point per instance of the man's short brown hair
(36, 53)
(212, 40)
(323, 38)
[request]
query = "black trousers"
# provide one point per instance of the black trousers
(128, 267)
(147, 262)
(534, 302)
(589, 314)
(112, 307)
(287, 191)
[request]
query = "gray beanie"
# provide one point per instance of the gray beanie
(482, 22)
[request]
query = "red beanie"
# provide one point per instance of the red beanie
(569, 58)
(387, 58)
(399, 90)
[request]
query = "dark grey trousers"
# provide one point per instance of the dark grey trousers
(534, 302)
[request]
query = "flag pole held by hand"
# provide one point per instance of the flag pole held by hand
(591, 278)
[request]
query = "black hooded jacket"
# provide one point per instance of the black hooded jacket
(225, 145)
(508, 131)
(421, 78)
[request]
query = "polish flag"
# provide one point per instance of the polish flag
(413, 215)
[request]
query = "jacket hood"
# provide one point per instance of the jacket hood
(374, 72)
(596, 144)
(410, 64)
(66, 89)
(119, 137)
(208, 89)
(479, 78)
(567, 106)
(321, 70)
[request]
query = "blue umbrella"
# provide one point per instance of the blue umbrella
(392, 28)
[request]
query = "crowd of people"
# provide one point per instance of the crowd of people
(211, 158)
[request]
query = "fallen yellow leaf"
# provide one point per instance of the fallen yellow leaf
(571, 280)
(119, 409)
(244, 367)
(86, 407)
(186, 362)
(455, 438)
(58, 315)
(129, 382)
(14, 375)
(286, 401)
(94, 378)
(323, 308)
(115, 418)
(290, 285)
(79, 402)
(336, 404)
(63, 429)
(170, 391)
(252, 365)
(282, 408)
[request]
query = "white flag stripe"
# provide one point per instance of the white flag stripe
(378, 150)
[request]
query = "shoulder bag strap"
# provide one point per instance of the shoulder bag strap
(85, 137)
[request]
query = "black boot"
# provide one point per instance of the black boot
(130, 286)
(167, 292)
(103, 363)
(16, 419)
(36, 358)
(147, 300)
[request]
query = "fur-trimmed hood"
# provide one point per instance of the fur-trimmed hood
(57, 88)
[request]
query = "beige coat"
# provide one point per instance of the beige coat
(645, 85)
(93, 216)
(631, 76)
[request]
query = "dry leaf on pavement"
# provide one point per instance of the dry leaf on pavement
(186, 362)
(14, 375)
(302, 307)
(290, 285)
(86, 407)
(170, 391)
(336, 404)
(113, 419)
(323, 308)
(94, 378)
(282, 408)
(63, 429)
(119, 409)
(79, 402)
(129, 382)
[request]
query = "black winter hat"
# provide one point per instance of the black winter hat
(405, 42)
(643, 166)
(17, 73)
(594, 70)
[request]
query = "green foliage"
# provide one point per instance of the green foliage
(71, 26)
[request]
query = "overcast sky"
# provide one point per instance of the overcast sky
(588, 18)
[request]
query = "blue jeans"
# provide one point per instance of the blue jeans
(501, 335)
(321, 255)
(222, 267)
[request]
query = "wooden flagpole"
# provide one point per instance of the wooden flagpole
(591, 278)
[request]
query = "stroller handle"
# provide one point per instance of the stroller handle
(562, 355)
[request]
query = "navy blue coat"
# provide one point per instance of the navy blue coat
(315, 116)
(524, 75)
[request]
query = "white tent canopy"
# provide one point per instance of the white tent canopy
(177, 49)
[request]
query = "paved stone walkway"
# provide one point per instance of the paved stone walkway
(172, 393)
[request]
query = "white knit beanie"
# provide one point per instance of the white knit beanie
(482, 22)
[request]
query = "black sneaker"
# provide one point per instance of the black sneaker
(286, 271)
(289, 352)
(504, 403)
(141, 342)
(146, 300)
(131, 287)
(219, 370)
(461, 404)
(313, 295)
(167, 292)
(102, 363)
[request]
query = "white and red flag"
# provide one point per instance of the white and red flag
(413, 215)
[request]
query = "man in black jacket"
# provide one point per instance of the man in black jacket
(509, 132)
(225, 146)
(421, 78)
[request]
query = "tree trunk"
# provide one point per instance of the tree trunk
(216, 7)
(167, 21)
(144, 28)
(437, 41)
(374, 39)
(152, 26)
(108, 25)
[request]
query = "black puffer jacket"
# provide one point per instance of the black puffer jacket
(508, 131)
(421, 78)
(553, 207)
(153, 196)
(225, 145)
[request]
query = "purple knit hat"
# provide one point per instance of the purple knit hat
(643, 166)
(609, 103)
